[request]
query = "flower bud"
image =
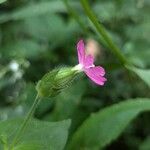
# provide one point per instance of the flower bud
(55, 81)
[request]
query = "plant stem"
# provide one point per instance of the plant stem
(75, 16)
(101, 30)
(80, 22)
(24, 124)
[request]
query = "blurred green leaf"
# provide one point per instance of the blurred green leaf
(138, 53)
(124, 10)
(101, 7)
(144, 74)
(2, 1)
(67, 102)
(34, 9)
(47, 27)
(138, 31)
(11, 112)
(106, 125)
(145, 145)
(38, 135)
(22, 49)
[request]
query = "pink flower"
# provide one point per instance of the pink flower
(86, 64)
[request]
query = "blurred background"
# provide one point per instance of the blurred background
(37, 36)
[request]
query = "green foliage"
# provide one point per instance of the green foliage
(2, 1)
(38, 135)
(145, 145)
(142, 73)
(22, 48)
(106, 125)
(67, 102)
(34, 10)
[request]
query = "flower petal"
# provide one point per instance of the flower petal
(94, 74)
(98, 71)
(89, 60)
(81, 52)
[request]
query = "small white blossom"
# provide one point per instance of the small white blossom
(14, 66)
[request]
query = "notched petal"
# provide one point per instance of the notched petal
(81, 51)
(95, 76)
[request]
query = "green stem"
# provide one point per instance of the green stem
(101, 31)
(75, 16)
(80, 22)
(24, 124)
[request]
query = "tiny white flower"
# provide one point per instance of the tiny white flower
(14, 66)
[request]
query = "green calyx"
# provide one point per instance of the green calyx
(55, 81)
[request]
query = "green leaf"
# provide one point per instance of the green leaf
(144, 74)
(34, 9)
(22, 49)
(67, 102)
(2, 1)
(139, 32)
(145, 145)
(38, 135)
(138, 52)
(106, 125)
(47, 26)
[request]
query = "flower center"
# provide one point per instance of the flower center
(90, 66)
(78, 67)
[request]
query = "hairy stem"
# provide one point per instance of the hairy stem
(25, 122)
(101, 30)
